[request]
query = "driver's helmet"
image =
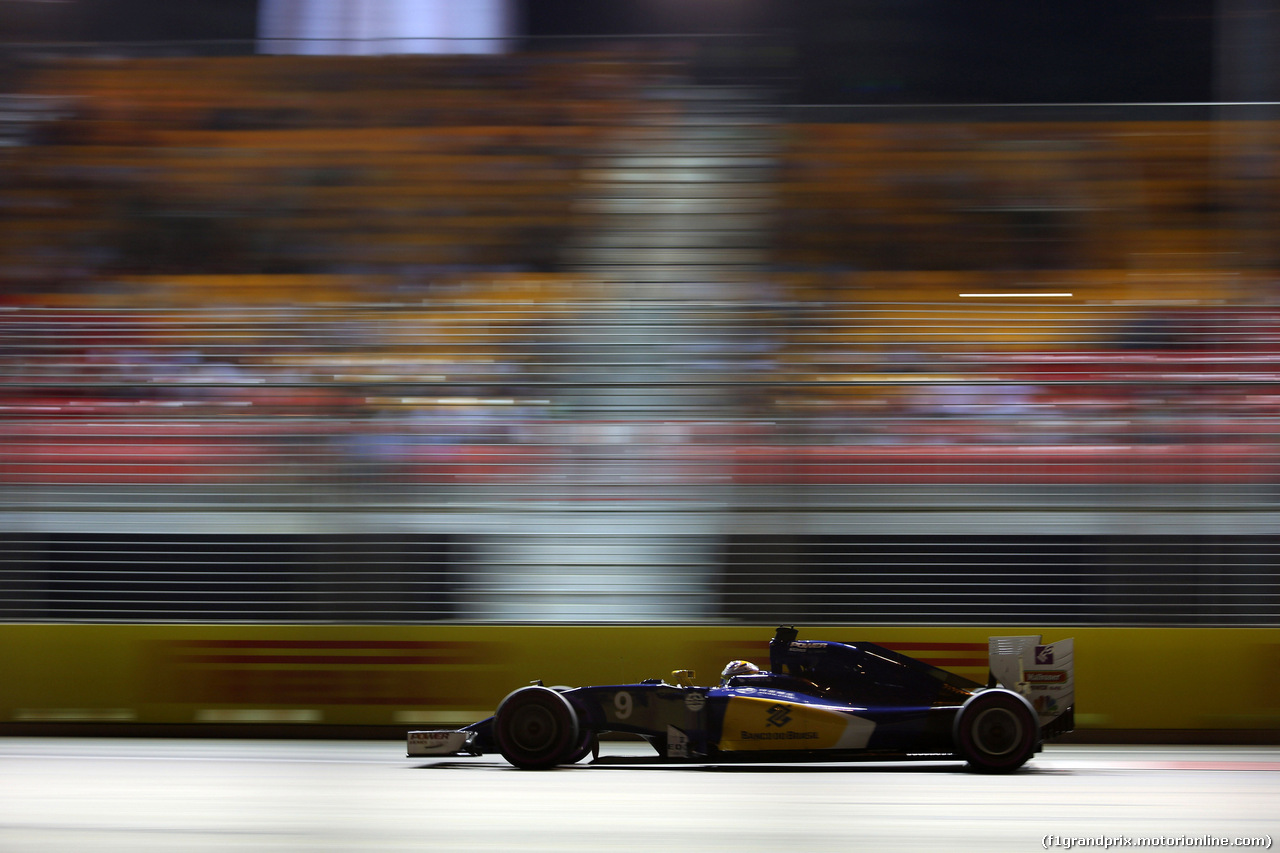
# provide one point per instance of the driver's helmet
(738, 667)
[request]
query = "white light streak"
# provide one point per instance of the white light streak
(1016, 295)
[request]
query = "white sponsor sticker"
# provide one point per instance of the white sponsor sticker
(436, 743)
(677, 743)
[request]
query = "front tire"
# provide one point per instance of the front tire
(588, 744)
(536, 728)
(996, 731)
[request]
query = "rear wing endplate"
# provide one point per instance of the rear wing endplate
(1042, 672)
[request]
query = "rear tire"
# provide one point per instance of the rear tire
(536, 728)
(996, 731)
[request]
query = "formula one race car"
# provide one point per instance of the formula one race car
(820, 701)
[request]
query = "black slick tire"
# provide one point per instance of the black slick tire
(536, 728)
(996, 731)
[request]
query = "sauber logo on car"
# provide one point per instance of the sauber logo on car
(754, 724)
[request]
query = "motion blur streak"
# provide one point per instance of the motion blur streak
(612, 334)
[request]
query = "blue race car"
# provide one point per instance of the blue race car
(819, 701)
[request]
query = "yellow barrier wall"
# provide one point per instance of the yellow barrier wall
(1126, 678)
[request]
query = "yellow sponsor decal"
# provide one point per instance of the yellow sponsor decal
(759, 723)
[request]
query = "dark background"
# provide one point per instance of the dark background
(838, 51)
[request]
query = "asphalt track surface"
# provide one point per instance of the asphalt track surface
(70, 794)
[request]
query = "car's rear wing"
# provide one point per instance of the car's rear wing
(1043, 673)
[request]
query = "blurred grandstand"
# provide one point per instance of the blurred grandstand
(581, 336)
